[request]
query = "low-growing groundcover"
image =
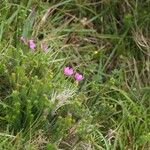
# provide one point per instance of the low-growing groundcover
(75, 75)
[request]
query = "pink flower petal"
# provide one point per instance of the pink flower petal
(79, 77)
(32, 44)
(68, 71)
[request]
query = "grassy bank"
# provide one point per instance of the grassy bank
(107, 42)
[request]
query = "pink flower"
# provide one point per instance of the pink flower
(68, 71)
(32, 44)
(24, 40)
(44, 46)
(79, 77)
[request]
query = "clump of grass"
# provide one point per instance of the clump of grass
(107, 42)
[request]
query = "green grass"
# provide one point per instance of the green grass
(108, 41)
